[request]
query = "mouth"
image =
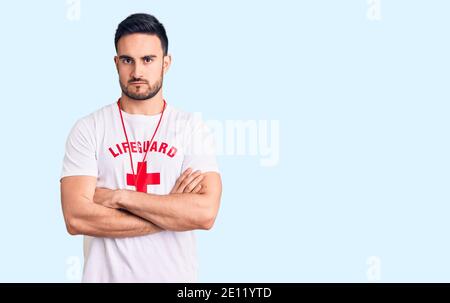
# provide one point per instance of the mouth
(137, 83)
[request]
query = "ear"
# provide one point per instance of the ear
(167, 61)
(116, 62)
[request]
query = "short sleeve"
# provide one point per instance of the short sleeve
(200, 148)
(80, 156)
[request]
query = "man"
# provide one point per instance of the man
(139, 176)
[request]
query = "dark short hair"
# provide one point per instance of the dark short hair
(142, 23)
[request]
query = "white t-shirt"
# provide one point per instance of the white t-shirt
(96, 146)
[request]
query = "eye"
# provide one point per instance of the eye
(148, 59)
(127, 60)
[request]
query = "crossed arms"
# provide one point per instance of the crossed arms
(193, 203)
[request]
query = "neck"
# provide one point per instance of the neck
(149, 107)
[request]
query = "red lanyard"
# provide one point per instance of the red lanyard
(126, 137)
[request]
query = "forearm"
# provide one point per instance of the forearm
(99, 221)
(177, 212)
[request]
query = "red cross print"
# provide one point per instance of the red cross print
(142, 179)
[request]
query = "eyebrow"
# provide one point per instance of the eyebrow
(129, 57)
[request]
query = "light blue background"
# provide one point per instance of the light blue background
(363, 110)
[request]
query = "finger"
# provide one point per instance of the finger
(180, 179)
(197, 189)
(190, 187)
(188, 180)
(184, 175)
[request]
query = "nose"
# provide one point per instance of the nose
(138, 71)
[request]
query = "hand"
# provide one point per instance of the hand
(107, 197)
(188, 182)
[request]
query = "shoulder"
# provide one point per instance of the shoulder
(92, 122)
(97, 117)
(185, 119)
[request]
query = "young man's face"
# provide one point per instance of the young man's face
(141, 65)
